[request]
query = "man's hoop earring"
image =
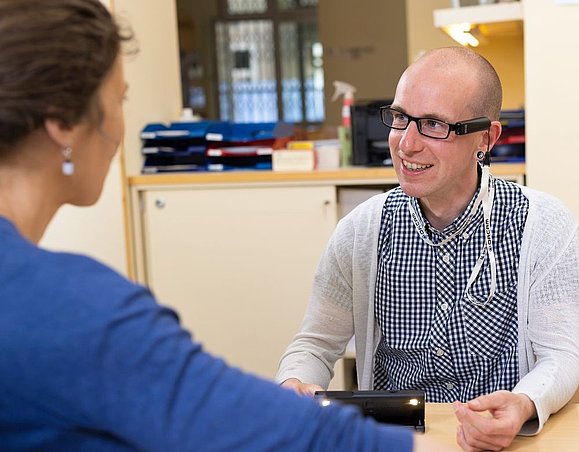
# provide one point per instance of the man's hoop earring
(480, 155)
(67, 165)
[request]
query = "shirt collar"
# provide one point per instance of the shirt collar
(457, 223)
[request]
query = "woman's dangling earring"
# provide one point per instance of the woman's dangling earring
(480, 155)
(67, 165)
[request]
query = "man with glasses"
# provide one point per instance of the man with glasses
(455, 283)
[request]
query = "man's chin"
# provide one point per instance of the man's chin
(411, 189)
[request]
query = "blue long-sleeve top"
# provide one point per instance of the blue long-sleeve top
(90, 361)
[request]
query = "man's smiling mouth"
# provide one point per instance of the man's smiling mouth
(415, 166)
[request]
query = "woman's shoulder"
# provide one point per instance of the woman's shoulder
(35, 281)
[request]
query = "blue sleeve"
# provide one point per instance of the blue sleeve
(160, 391)
(87, 354)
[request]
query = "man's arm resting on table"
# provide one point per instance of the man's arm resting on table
(508, 412)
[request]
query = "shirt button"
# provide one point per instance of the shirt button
(446, 258)
(465, 235)
(444, 306)
(449, 386)
(440, 352)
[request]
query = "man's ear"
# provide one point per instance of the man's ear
(60, 134)
(490, 136)
(494, 133)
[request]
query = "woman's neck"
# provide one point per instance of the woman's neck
(26, 202)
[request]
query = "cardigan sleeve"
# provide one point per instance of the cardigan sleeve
(328, 322)
(340, 301)
(553, 313)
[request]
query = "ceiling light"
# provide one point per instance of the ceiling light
(461, 33)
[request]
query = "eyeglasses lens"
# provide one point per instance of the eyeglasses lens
(429, 127)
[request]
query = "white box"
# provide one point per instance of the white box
(292, 160)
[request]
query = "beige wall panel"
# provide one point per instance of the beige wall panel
(552, 97)
(506, 53)
(422, 34)
(153, 74)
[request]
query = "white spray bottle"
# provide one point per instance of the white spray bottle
(345, 130)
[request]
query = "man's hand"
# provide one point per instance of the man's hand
(301, 388)
(495, 430)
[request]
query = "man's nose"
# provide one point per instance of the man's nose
(410, 136)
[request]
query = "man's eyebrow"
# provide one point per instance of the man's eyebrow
(425, 116)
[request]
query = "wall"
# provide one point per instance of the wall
(506, 53)
(365, 45)
(153, 74)
(552, 71)
(503, 50)
(421, 33)
(196, 34)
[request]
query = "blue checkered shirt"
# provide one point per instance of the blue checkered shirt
(434, 339)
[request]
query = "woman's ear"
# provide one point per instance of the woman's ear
(61, 135)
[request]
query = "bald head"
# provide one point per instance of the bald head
(486, 99)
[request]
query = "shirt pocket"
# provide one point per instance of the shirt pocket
(492, 329)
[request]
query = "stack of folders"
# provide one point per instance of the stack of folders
(180, 146)
(211, 145)
(234, 146)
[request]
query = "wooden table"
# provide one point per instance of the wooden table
(560, 434)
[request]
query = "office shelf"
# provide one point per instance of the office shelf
(493, 19)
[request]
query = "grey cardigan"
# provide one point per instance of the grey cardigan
(342, 303)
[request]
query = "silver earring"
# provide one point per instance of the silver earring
(67, 165)
(480, 155)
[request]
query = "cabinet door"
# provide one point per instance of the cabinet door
(237, 263)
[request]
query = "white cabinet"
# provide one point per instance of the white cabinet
(237, 263)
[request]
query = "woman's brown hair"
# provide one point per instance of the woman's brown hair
(54, 56)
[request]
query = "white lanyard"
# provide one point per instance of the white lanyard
(486, 196)
(422, 232)
(488, 186)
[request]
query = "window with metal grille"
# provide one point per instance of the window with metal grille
(268, 63)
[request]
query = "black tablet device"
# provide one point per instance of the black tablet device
(391, 407)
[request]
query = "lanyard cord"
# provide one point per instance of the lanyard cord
(486, 196)
(422, 232)
(489, 187)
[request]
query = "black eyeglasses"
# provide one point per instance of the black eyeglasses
(430, 127)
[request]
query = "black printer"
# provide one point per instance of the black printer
(369, 134)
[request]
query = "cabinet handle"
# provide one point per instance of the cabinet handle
(327, 207)
(160, 203)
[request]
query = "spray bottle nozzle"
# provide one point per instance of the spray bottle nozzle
(346, 90)
(343, 89)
